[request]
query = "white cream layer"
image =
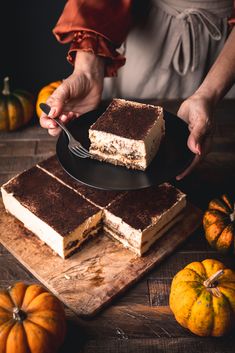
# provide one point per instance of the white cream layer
(116, 149)
(136, 239)
(43, 230)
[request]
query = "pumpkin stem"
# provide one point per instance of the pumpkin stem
(232, 215)
(211, 283)
(6, 86)
(18, 314)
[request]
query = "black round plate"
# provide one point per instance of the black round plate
(172, 158)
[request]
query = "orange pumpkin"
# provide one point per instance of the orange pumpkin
(44, 94)
(16, 108)
(219, 224)
(202, 298)
(32, 320)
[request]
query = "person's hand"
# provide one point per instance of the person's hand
(78, 94)
(197, 112)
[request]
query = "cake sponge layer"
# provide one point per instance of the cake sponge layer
(140, 217)
(56, 214)
(127, 133)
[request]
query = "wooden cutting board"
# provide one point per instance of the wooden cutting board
(90, 279)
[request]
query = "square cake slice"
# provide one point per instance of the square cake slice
(101, 198)
(56, 214)
(140, 217)
(127, 133)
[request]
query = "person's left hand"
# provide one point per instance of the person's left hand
(197, 112)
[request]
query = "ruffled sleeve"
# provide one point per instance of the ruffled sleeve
(95, 26)
(98, 45)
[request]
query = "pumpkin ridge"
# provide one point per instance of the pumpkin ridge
(36, 298)
(7, 126)
(224, 216)
(226, 287)
(13, 100)
(217, 238)
(195, 273)
(12, 299)
(197, 296)
(227, 301)
(10, 326)
(28, 304)
(221, 203)
(205, 269)
(5, 292)
(190, 310)
(21, 108)
(226, 200)
(26, 338)
(5, 310)
(213, 243)
(43, 328)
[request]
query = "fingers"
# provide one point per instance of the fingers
(46, 122)
(54, 132)
(188, 170)
(201, 130)
(57, 100)
(53, 128)
(205, 148)
(65, 118)
(49, 124)
(195, 138)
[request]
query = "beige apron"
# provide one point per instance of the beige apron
(169, 55)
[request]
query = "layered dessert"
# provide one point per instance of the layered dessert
(58, 215)
(140, 217)
(100, 198)
(128, 134)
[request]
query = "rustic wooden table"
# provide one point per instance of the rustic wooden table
(140, 320)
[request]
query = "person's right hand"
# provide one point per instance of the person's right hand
(78, 94)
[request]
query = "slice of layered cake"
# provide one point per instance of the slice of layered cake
(101, 198)
(140, 217)
(127, 133)
(59, 216)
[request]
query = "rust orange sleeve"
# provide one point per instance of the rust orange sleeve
(99, 27)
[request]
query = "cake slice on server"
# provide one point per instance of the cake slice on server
(59, 216)
(140, 217)
(127, 133)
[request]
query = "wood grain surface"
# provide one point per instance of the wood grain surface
(139, 320)
(96, 274)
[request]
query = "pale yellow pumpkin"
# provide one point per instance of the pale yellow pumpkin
(202, 298)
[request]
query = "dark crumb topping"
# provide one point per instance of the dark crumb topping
(100, 197)
(127, 119)
(55, 204)
(142, 208)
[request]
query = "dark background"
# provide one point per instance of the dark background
(30, 55)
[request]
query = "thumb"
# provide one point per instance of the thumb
(57, 100)
(196, 137)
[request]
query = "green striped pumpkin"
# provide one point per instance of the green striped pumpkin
(16, 108)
